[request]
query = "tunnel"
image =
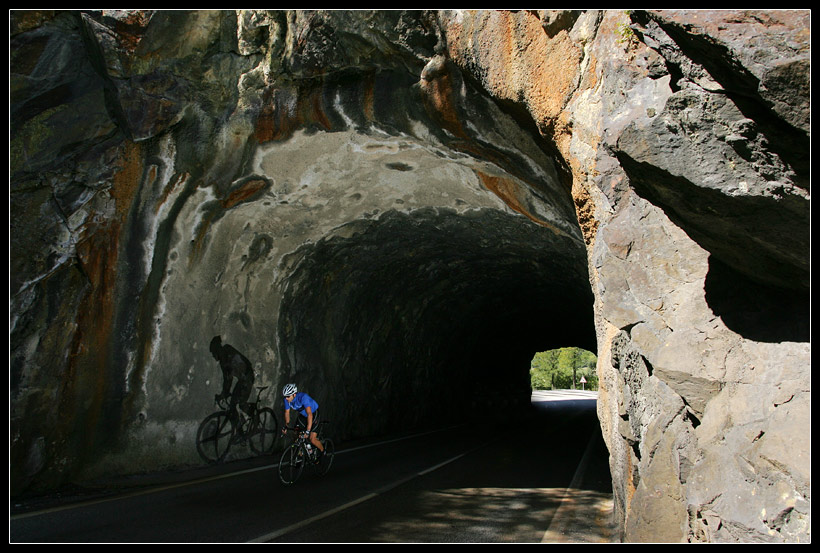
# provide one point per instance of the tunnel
(422, 316)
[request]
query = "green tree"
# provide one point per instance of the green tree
(563, 368)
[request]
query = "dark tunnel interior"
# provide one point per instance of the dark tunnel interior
(408, 307)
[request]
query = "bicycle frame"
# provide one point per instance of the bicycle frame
(301, 453)
(253, 406)
(302, 439)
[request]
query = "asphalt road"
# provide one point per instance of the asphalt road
(543, 478)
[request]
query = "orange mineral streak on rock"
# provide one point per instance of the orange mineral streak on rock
(438, 97)
(286, 110)
(585, 211)
(88, 374)
(199, 239)
(507, 190)
(517, 61)
(130, 28)
(368, 98)
(88, 368)
(127, 180)
(316, 112)
(245, 192)
(278, 118)
(169, 189)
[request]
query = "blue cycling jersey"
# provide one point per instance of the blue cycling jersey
(300, 401)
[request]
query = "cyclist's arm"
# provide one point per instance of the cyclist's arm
(309, 418)
(287, 418)
(227, 380)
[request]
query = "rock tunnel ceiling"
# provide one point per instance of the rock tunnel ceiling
(339, 192)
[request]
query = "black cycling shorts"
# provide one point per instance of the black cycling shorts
(303, 420)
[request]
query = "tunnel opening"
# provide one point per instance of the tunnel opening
(568, 368)
(398, 321)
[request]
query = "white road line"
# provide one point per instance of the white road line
(292, 527)
(559, 522)
(165, 487)
(301, 524)
(137, 493)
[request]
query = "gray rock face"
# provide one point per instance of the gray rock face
(719, 143)
(700, 290)
(381, 205)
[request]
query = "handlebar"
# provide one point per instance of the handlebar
(299, 433)
(293, 429)
(300, 427)
(223, 402)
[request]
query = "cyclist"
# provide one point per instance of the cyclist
(306, 406)
(235, 366)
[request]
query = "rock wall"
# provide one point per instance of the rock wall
(384, 204)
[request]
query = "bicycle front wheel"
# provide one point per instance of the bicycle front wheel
(291, 464)
(214, 437)
(327, 459)
(264, 432)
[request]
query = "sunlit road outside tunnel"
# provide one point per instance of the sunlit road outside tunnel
(504, 477)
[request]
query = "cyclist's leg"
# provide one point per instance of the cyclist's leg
(241, 394)
(234, 411)
(239, 401)
(314, 436)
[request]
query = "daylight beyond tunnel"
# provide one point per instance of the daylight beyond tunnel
(430, 314)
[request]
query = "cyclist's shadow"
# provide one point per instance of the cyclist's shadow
(226, 428)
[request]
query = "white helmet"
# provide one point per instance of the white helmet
(289, 389)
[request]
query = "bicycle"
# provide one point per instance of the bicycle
(217, 433)
(301, 453)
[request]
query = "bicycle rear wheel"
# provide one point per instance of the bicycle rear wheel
(291, 464)
(263, 434)
(214, 436)
(327, 459)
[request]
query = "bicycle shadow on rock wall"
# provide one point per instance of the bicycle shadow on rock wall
(237, 422)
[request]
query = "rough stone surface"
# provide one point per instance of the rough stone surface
(383, 204)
